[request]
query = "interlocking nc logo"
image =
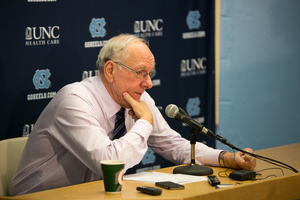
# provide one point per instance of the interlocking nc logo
(96, 27)
(149, 157)
(193, 106)
(192, 19)
(41, 79)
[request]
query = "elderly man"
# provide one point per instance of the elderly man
(110, 117)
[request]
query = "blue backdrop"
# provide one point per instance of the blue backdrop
(48, 44)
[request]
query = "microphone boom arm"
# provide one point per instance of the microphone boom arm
(180, 115)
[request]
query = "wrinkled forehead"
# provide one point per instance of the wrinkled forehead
(139, 52)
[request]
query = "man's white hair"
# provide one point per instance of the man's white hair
(116, 49)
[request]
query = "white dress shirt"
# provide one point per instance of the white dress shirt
(75, 131)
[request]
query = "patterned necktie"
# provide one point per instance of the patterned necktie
(120, 128)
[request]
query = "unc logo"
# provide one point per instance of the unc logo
(96, 27)
(149, 157)
(41, 79)
(32, 33)
(192, 19)
(148, 25)
(192, 106)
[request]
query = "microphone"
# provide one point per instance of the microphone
(179, 114)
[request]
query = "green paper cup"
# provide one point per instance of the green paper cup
(112, 173)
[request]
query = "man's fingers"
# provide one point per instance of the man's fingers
(128, 98)
(140, 109)
(246, 156)
(130, 112)
(249, 162)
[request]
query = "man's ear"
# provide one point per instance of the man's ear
(109, 68)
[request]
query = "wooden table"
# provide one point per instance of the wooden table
(285, 186)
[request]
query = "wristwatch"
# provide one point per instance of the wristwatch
(221, 159)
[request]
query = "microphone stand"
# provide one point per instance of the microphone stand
(193, 169)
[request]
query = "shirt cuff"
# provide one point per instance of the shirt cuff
(143, 128)
(212, 157)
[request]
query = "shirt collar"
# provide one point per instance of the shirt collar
(109, 104)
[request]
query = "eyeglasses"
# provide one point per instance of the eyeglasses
(139, 74)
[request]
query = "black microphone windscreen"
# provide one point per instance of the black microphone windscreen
(171, 110)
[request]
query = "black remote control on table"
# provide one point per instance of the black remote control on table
(213, 180)
(149, 190)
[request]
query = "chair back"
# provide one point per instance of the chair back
(10, 153)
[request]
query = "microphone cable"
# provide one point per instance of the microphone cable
(179, 114)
